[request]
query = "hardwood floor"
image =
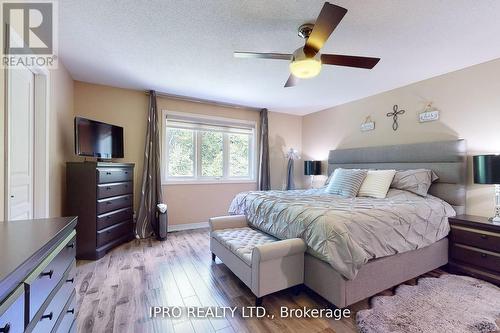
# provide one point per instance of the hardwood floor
(114, 294)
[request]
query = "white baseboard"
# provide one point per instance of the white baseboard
(187, 226)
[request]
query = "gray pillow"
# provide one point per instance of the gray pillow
(417, 181)
(346, 182)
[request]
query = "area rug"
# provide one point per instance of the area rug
(450, 303)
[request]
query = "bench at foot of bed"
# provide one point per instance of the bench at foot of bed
(265, 264)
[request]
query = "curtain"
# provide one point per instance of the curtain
(264, 170)
(151, 182)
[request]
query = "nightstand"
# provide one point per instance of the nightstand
(475, 247)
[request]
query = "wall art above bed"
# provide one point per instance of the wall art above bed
(394, 114)
(429, 114)
(367, 125)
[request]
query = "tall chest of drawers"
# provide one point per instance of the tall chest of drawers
(101, 195)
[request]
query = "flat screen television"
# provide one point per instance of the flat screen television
(97, 139)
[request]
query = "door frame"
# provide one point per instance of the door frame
(41, 130)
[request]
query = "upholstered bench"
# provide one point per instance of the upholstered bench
(264, 263)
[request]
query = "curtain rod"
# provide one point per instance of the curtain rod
(204, 101)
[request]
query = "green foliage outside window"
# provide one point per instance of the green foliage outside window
(239, 145)
(185, 144)
(180, 152)
(212, 154)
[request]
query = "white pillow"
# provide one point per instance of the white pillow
(376, 183)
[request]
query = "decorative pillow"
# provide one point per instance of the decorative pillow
(376, 183)
(346, 182)
(417, 181)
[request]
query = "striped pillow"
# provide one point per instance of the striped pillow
(346, 182)
(376, 183)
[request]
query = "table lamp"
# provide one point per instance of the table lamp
(487, 171)
(312, 168)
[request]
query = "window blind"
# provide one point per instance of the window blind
(207, 124)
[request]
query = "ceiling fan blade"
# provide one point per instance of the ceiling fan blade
(350, 61)
(256, 55)
(292, 81)
(328, 19)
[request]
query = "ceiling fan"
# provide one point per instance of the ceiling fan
(306, 62)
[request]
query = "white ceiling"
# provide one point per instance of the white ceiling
(184, 47)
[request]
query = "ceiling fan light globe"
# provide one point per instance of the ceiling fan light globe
(305, 68)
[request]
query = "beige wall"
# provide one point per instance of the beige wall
(285, 132)
(469, 101)
(60, 137)
(128, 108)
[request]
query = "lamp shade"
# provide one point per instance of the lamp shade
(312, 168)
(487, 169)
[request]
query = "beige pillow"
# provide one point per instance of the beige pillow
(376, 183)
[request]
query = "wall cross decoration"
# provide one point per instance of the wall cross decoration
(394, 114)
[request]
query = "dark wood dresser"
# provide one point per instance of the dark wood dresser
(475, 247)
(37, 275)
(102, 196)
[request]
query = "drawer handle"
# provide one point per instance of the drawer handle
(48, 316)
(72, 311)
(5, 329)
(484, 236)
(108, 202)
(70, 246)
(108, 172)
(108, 188)
(484, 255)
(49, 274)
(72, 280)
(126, 172)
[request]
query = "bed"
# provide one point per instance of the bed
(359, 247)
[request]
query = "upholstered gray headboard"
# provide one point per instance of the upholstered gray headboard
(448, 159)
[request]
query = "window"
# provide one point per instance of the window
(208, 149)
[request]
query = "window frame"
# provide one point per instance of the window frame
(197, 178)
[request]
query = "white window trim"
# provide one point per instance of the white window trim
(207, 180)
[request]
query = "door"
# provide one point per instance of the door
(20, 144)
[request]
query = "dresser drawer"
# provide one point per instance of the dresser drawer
(12, 312)
(459, 268)
(476, 257)
(114, 203)
(114, 175)
(67, 317)
(477, 238)
(45, 277)
(113, 189)
(116, 231)
(55, 309)
(114, 217)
